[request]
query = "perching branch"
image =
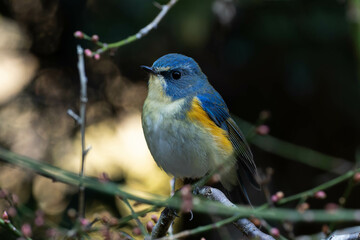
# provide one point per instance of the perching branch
(160, 229)
(349, 236)
(243, 224)
(142, 32)
(81, 120)
(351, 233)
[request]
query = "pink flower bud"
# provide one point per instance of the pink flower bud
(262, 130)
(3, 193)
(113, 221)
(274, 198)
(149, 226)
(255, 221)
(84, 222)
(95, 38)
(39, 221)
(79, 34)
(88, 52)
(275, 232)
(136, 231)
(303, 207)
(154, 218)
(15, 199)
(26, 230)
(186, 197)
(97, 56)
(12, 211)
(320, 195)
(331, 207)
(5, 215)
(104, 177)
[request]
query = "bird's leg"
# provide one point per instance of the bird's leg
(172, 186)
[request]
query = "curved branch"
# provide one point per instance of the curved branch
(247, 228)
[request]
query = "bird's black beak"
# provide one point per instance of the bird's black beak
(148, 69)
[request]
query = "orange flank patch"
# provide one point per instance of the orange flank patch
(197, 113)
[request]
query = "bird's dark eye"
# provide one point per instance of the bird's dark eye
(176, 75)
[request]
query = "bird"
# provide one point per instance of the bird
(188, 127)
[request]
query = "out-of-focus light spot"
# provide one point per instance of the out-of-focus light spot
(51, 196)
(120, 150)
(225, 10)
(17, 66)
(20, 187)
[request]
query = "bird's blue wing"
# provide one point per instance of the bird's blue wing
(215, 107)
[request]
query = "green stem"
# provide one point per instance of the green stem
(323, 186)
(343, 199)
(132, 216)
(311, 192)
(136, 217)
(8, 225)
(200, 205)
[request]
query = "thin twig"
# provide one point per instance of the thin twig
(76, 117)
(135, 216)
(343, 198)
(144, 31)
(155, 22)
(311, 192)
(81, 120)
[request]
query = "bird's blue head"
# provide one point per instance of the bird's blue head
(177, 76)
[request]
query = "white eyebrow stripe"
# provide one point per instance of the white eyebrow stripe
(161, 69)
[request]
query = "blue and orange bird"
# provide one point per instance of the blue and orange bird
(187, 125)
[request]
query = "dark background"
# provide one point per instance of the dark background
(296, 59)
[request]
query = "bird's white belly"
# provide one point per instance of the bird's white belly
(180, 147)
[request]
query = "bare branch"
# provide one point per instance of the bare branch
(349, 236)
(167, 217)
(247, 228)
(351, 233)
(81, 120)
(76, 117)
(155, 22)
(243, 224)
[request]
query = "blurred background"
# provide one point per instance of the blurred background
(298, 60)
